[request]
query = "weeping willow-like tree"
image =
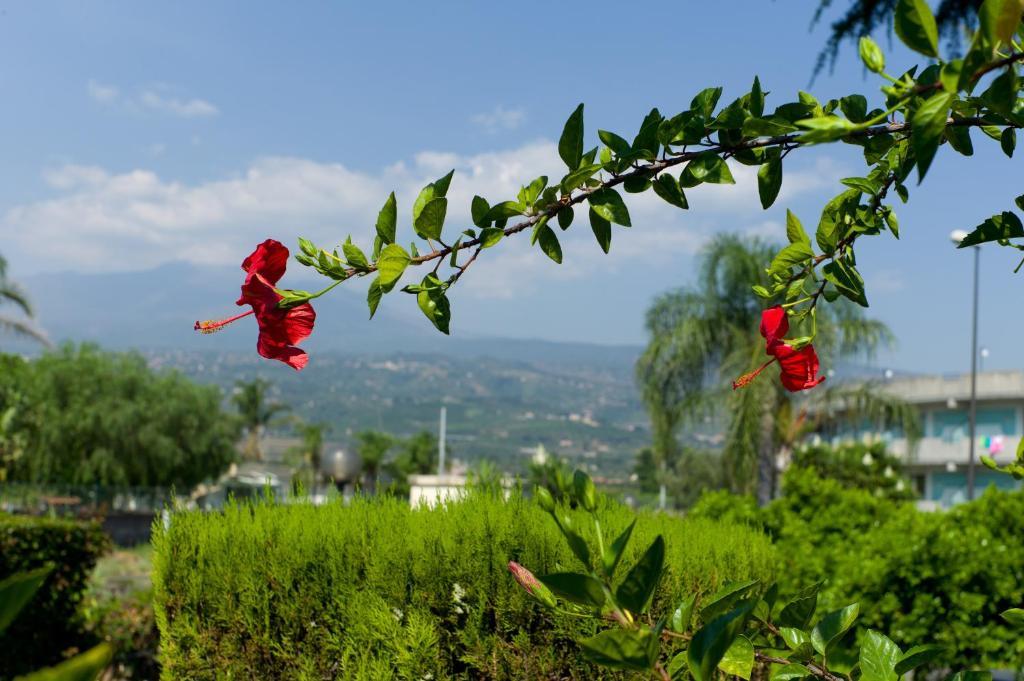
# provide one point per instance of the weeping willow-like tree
(12, 294)
(704, 336)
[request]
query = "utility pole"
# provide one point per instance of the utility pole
(440, 441)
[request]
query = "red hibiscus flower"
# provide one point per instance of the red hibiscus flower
(799, 368)
(281, 329)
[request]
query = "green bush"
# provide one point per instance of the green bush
(48, 627)
(921, 577)
(378, 590)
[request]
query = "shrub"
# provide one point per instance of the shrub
(918, 576)
(48, 626)
(379, 590)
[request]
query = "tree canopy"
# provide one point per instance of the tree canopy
(85, 416)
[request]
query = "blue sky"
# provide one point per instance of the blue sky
(140, 133)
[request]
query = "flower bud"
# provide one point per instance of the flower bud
(871, 55)
(531, 584)
(544, 498)
(586, 493)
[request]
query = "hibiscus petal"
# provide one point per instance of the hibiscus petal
(799, 368)
(774, 324)
(269, 260)
(290, 355)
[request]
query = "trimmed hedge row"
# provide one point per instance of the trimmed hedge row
(48, 626)
(376, 590)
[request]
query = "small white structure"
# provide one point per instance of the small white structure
(434, 489)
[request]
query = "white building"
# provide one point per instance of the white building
(938, 463)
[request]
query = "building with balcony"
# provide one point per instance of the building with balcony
(938, 461)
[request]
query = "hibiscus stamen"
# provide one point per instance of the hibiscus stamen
(213, 326)
(748, 378)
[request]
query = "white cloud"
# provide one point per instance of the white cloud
(102, 221)
(102, 93)
(499, 119)
(156, 98)
(185, 108)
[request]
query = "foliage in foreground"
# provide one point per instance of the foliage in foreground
(47, 562)
(941, 578)
(85, 416)
(378, 590)
(749, 629)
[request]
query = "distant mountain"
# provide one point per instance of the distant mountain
(155, 309)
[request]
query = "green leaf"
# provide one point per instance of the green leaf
(575, 587)
(791, 256)
(790, 672)
(683, 615)
(998, 19)
(854, 107)
(579, 176)
(892, 222)
(1014, 616)
(832, 626)
(928, 124)
(549, 244)
(959, 137)
(1008, 141)
(705, 101)
(308, 247)
(479, 210)
(710, 168)
(490, 236)
(677, 667)
(996, 228)
(710, 642)
(565, 217)
(769, 179)
(85, 667)
(862, 184)
(575, 541)
(795, 230)
(387, 220)
(390, 266)
(668, 189)
(871, 55)
(632, 649)
(17, 590)
(798, 641)
(433, 302)
(917, 656)
(373, 296)
(430, 221)
(613, 553)
(825, 129)
(441, 186)
(739, 658)
(505, 210)
(725, 598)
(847, 280)
(636, 590)
(772, 126)
(609, 205)
(878, 657)
(915, 26)
(646, 141)
(356, 258)
(617, 144)
(570, 144)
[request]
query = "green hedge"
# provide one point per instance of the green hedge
(48, 626)
(920, 577)
(376, 590)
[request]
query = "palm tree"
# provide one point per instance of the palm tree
(702, 337)
(10, 292)
(372, 447)
(256, 412)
